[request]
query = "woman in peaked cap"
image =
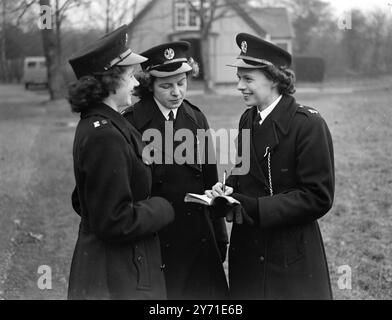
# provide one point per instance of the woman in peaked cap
(276, 249)
(194, 246)
(117, 254)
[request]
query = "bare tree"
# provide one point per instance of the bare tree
(53, 45)
(113, 13)
(377, 34)
(309, 17)
(209, 11)
(3, 60)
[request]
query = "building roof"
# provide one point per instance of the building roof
(275, 21)
(141, 14)
(272, 21)
(254, 24)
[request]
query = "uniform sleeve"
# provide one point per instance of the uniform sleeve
(316, 181)
(210, 178)
(113, 215)
(76, 202)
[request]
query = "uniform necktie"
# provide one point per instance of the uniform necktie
(259, 120)
(171, 116)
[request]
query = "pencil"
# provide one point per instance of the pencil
(224, 181)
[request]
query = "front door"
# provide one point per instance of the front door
(195, 52)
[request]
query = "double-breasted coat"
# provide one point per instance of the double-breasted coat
(193, 265)
(117, 254)
(281, 256)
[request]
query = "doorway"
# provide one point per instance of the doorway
(195, 52)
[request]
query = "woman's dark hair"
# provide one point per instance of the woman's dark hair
(284, 77)
(144, 90)
(90, 90)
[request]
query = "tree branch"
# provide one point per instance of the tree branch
(26, 7)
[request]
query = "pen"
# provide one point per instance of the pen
(224, 181)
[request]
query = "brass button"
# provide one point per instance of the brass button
(262, 259)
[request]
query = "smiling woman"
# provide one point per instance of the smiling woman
(257, 87)
(113, 85)
(290, 184)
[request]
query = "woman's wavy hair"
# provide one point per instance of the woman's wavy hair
(144, 90)
(284, 77)
(92, 89)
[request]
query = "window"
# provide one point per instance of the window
(193, 18)
(31, 64)
(181, 17)
(185, 17)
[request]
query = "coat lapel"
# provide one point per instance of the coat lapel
(186, 119)
(280, 118)
(255, 162)
(148, 116)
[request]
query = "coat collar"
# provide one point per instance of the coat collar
(131, 135)
(146, 114)
(281, 116)
(147, 110)
(284, 113)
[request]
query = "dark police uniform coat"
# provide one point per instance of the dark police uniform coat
(117, 254)
(282, 255)
(193, 266)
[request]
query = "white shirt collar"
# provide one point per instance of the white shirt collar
(265, 113)
(165, 111)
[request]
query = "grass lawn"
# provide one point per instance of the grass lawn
(38, 226)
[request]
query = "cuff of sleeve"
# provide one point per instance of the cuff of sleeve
(248, 203)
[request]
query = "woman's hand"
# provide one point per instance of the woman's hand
(217, 190)
(209, 194)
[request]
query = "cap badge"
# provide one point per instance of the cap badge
(244, 47)
(169, 54)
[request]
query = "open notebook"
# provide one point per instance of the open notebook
(205, 200)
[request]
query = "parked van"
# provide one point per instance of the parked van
(35, 71)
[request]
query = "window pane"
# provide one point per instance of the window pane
(193, 18)
(181, 17)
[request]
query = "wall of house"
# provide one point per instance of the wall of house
(225, 49)
(154, 27)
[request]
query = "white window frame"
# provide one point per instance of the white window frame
(186, 26)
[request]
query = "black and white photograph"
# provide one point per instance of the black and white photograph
(195, 155)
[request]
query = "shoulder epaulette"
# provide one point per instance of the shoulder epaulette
(307, 110)
(98, 122)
